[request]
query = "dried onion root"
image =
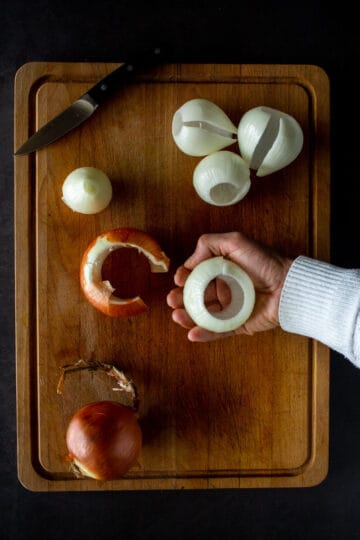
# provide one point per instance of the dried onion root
(123, 383)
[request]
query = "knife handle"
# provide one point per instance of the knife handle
(123, 74)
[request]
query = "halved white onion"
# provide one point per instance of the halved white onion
(222, 178)
(242, 290)
(269, 139)
(87, 190)
(199, 127)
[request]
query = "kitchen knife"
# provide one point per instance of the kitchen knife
(86, 105)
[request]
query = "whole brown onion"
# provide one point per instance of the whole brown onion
(104, 440)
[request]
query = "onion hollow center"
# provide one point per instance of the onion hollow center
(224, 297)
(223, 193)
(128, 272)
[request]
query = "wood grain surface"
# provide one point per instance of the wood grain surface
(238, 413)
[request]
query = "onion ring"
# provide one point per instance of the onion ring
(242, 295)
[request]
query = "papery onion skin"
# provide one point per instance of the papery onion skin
(232, 316)
(99, 292)
(104, 440)
(222, 178)
(275, 135)
(214, 131)
(87, 190)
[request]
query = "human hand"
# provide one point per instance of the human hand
(266, 268)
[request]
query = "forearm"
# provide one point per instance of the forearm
(322, 301)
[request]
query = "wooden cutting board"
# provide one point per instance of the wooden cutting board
(238, 413)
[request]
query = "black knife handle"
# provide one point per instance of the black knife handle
(123, 74)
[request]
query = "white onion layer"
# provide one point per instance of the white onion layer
(96, 256)
(87, 190)
(242, 290)
(269, 139)
(199, 127)
(222, 178)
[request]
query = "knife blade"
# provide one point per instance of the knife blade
(86, 105)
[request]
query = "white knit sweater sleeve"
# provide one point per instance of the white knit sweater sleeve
(322, 301)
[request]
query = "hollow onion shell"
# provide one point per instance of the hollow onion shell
(199, 127)
(99, 292)
(269, 139)
(222, 178)
(242, 295)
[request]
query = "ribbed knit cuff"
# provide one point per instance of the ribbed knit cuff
(322, 301)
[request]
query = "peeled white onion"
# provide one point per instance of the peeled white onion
(222, 178)
(242, 290)
(269, 139)
(199, 127)
(87, 190)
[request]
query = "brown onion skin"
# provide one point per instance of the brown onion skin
(104, 437)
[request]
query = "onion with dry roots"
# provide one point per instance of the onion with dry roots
(103, 438)
(99, 292)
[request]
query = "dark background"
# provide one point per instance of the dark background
(235, 32)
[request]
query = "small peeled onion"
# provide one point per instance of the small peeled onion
(242, 291)
(222, 178)
(87, 190)
(100, 293)
(199, 127)
(269, 139)
(104, 440)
